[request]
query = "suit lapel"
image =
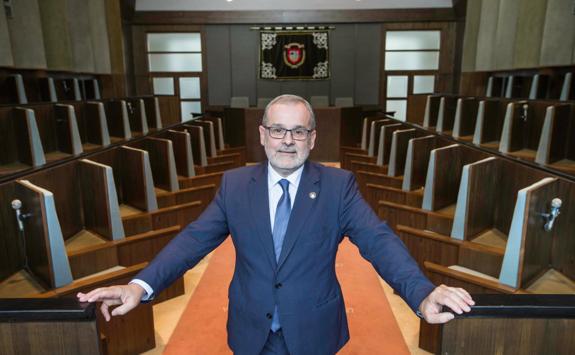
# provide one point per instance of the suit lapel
(260, 211)
(309, 183)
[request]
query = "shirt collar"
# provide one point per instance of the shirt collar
(293, 178)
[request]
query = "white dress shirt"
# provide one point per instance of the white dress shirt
(275, 192)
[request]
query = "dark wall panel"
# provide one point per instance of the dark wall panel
(218, 64)
(243, 46)
(367, 63)
(342, 58)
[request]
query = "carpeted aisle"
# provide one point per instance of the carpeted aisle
(202, 327)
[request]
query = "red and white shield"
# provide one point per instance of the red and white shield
(294, 54)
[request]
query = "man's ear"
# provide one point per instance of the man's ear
(312, 137)
(262, 135)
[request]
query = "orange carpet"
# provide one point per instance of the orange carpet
(373, 329)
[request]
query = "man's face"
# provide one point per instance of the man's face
(286, 155)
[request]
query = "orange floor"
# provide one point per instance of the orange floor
(373, 328)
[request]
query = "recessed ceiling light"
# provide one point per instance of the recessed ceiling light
(229, 0)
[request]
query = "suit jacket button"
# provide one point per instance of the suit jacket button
(279, 285)
(268, 315)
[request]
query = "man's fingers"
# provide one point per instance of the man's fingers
(123, 309)
(105, 312)
(440, 318)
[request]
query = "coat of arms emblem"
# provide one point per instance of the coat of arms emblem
(294, 55)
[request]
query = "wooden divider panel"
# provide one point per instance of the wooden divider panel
(153, 114)
(118, 121)
(209, 136)
(529, 246)
(385, 139)
(416, 108)
(198, 144)
(465, 117)
(557, 135)
(477, 198)
(137, 181)
(417, 161)
(234, 124)
(444, 172)
(96, 124)
(137, 116)
(163, 163)
(219, 129)
(375, 131)
(45, 250)
(431, 111)
(100, 200)
(69, 134)
(30, 150)
(446, 114)
(489, 124)
(352, 120)
(399, 143)
(182, 145)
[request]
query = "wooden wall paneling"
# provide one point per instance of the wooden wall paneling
(144, 247)
(169, 109)
(179, 215)
(234, 122)
(89, 261)
(137, 182)
(202, 180)
(479, 257)
(429, 246)
(130, 333)
(351, 123)
(416, 108)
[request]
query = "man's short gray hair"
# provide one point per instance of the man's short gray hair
(288, 99)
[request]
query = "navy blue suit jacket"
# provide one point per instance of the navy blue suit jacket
(303, 282)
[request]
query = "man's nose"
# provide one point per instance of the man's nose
(288, 138)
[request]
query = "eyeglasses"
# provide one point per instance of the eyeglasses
(299, 134)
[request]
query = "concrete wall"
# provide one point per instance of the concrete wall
(233, 60)
(513, 34)
(68, 35)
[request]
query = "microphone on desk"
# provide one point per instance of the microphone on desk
(20, 217)
(550, 217)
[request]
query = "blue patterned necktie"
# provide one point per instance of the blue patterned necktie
(281, 220)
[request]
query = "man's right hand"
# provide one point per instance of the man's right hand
(127, 296)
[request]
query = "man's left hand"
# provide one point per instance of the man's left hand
(455, 298)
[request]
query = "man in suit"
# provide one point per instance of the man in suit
(286, 217)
